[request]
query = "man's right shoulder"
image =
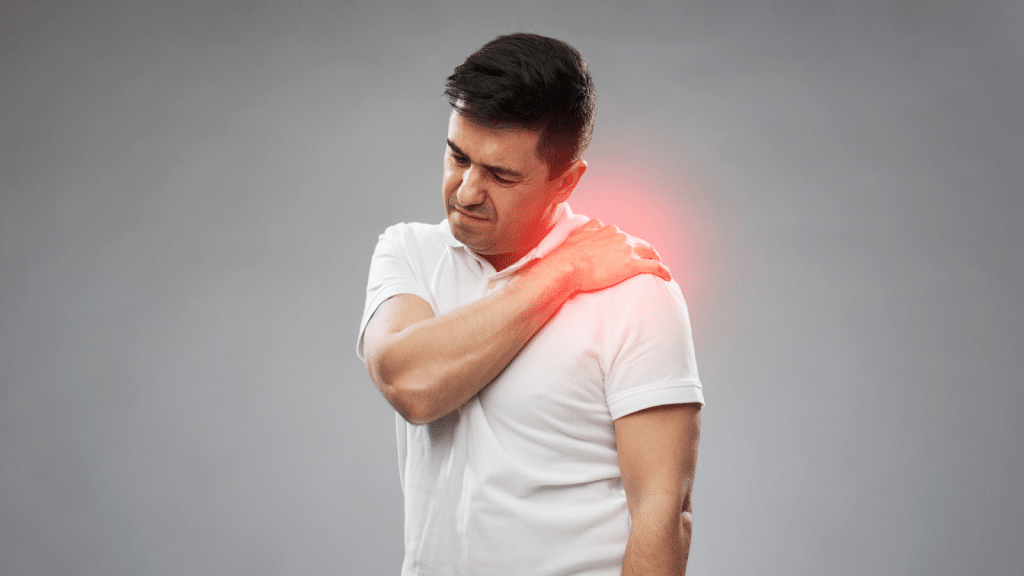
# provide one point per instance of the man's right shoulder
(418, 233)
(416, 242)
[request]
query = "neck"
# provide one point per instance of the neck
(502, 261)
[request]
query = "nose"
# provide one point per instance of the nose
(471, 191)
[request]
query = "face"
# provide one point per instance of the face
(496, 190)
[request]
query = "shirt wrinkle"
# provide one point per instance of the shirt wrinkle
(525, 473)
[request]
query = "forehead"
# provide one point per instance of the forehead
(495, 145)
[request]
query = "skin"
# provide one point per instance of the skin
(657, 457)
(497, 192)
(501, 201)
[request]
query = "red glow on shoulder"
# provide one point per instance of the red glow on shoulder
(645, 203)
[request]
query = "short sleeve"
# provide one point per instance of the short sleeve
(391, 273)
(654, 362)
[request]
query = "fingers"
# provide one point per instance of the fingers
(650, 259)
(604, 244)
(645, 250)
(655, 267)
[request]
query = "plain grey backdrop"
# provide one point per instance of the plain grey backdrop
(190, 193)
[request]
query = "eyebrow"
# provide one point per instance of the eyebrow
(496, 169)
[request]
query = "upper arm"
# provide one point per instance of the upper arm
(653, 362)
(657, 450)
(391, 317)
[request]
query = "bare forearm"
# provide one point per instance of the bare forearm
(658, 546)
(434, 366)
(427, 366)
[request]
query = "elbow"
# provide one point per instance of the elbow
(411, 391)
(411, 400)
(686, 525)
(686, 516)
(419, 412)
(411, 407)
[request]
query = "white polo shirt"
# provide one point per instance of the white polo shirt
(524, 477)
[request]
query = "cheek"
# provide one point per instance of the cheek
(453, 174)
(449, 181)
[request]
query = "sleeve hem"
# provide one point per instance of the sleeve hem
(375, 303)
(635, 400)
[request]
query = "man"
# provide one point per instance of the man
(541, 365)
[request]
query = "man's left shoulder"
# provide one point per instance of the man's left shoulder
(646, 290)
(642, 304)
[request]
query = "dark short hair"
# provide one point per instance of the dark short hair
(532, 82)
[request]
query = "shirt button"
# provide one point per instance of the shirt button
(491, 284)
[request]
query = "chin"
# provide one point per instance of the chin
(475, 243)
(462, 235)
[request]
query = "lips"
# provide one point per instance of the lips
(470, 216)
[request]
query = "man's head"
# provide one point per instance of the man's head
(532, 82)
(522, 114)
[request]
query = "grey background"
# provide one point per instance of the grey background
(190, 193)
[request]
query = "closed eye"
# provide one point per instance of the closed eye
(502, 181)
(462, 160)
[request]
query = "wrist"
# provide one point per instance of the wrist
(558, 275)
(549, 282)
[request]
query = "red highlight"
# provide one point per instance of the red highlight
(644, 203)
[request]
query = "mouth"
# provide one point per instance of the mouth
(469, 215)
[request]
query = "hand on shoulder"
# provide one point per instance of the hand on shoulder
(596, 256)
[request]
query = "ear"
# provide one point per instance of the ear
(569, 179)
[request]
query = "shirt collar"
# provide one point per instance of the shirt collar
(566, 223)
